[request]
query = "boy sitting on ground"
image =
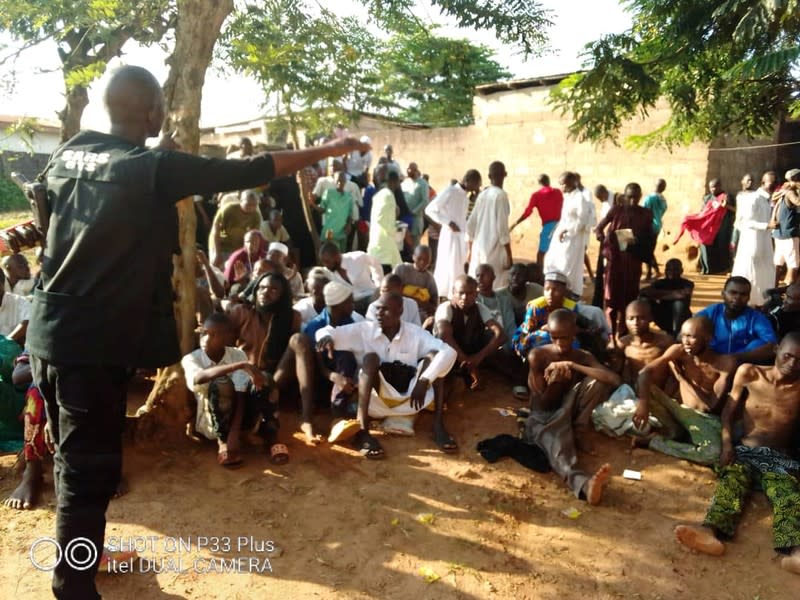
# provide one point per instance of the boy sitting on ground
(768, 398)
(418, 282)
(640, 346)
(566, 385)
(690, 429)
(220, 377)
(469, 328)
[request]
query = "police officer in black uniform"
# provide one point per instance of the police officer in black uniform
(104, 302)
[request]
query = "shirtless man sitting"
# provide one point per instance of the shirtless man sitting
(771, 416)
(690, 429)
(641, 345)
(566, 385)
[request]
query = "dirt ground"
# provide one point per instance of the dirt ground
(349, 528)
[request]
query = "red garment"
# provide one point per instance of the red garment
(35, 419)
(704, 226)
(548, 201)
(242, 255)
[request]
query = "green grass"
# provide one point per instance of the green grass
(11, 197)
(14, 217)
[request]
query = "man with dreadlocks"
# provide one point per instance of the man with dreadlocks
(267, 328)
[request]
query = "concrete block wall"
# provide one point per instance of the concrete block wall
(520, 129)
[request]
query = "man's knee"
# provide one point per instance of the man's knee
(371, 364)
(300, 343)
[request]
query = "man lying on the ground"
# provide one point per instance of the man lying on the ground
(786, 317)
(761, 457)
(312, 305)
(670, 297)
(338, 375)
(268, 330)
(226, 388)
(402, 370)
(14, 314)
(418, 282)
(392, 284)
(641, 345)
(690, 428)
(357, 269)
(279, 254)
(739, 329)
(469, 328)
(566, 385)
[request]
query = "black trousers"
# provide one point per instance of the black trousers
(86, 411)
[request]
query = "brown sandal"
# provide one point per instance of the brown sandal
(279, 454)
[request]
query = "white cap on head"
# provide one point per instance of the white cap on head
(365, 139)
(335, 293)
(279, 247)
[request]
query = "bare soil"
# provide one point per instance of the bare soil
(350, 528)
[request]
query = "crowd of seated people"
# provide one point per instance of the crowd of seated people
(369, 338)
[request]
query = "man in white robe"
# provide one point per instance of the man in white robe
(754, 252)
(488, 235)
(569, 239)
(449, 209)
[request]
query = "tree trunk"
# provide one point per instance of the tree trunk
(198, 26)
(77, 99)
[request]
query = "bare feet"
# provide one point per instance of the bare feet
(701, 539)
(596, 485)
(792, 562)
(308, 431)
(26, 495)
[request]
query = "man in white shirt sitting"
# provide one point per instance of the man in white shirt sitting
(14, 314)
(357, 269)
(220, 376)
(402, 367)
(392, 284)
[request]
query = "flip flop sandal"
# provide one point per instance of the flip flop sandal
(368, 446)
(228, 459)
(344, 430)
(279, 454)
(448, 446)
(520, 392)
